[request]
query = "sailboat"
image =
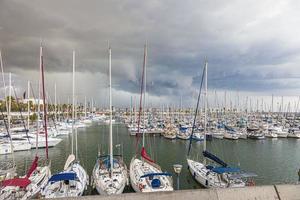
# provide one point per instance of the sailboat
(220, 175)
(110, 172)
(8, 145)
(73, 180)
(145, 174)
(7, 168)
(30, 185)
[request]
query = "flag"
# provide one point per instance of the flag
(24, 95)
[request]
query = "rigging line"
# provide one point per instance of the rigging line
(5, 123)
(20, 111)
(196, 111)
(52, 116)
(8, 132)
(140, 107)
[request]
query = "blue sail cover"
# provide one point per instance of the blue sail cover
(106, 161)
(156, 174)
(214, 158)
(229, 128)
(63, 177)
(183, 129)
(221, 170)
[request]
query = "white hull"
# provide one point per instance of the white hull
(282, 135)
(271, 135)
(218, 135)
(293, 135)
(170, 136)
(21, 146)
(139, 168)
(38, 181)
(5, 148)
(210, 179)
(231, 136)
(42, 142)
(74, 188)
(242, 136)
(38, 178)
(110, 185)
(183, 136)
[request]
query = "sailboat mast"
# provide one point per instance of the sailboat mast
(7, 106)
(9, 101)
(73, 102)
(44, 103)
(28, 105)
(110, 115)
(144, 100)
(85, 107)
(130, 110)
(76, 144)
(205, 110)
(92, 107)
(140, 106)
(39, 108)
(134, 110)
(8, 119)
(3, 79)
(55, 105)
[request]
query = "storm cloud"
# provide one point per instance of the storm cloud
(251, 46)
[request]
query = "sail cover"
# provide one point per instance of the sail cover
(18, 182)
(156, 174)
(145, 155)
(229, 128)
(214, 158)
(63, 177)
(33, 167)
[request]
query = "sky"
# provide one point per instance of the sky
(252, 48)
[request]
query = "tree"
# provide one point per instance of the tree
(33, 117)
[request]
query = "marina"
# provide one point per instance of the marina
(271, 163)
(143, 150)
(149, 100)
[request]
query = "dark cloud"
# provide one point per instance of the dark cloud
(250, 45)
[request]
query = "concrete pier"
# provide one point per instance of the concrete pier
(269, 192)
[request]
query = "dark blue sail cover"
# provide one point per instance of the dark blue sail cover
(63, 177)
(214, 158)
(155, 174)
(229, 128)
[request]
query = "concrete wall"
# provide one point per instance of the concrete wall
(272, 192)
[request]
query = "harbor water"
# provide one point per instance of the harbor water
(275, 161)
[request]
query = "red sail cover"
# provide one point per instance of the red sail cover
(33, 166)
(20, 182)
(145, 155)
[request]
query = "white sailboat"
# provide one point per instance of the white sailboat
(231, 135)
(30, 185)
(73, 180)
(110, 172)
(7, 168)
(212, 176)
(145, 175)
(8, 143)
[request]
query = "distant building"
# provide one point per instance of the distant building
(34, 101)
